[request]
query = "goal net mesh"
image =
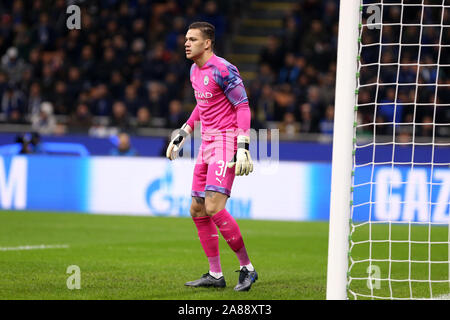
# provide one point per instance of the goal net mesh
(399, 227)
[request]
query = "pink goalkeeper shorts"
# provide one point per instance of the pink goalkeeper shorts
(211, 172)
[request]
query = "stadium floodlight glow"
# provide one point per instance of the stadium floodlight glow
(389, 233)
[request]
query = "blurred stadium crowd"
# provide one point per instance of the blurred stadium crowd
(126, 67)
(408, 92)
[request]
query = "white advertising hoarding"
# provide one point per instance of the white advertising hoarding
(155, 186)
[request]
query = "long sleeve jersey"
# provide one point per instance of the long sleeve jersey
(222, 103)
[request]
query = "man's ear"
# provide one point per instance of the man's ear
(208, 43)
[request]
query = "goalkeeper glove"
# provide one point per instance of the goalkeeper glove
(177, 143)
(242, 159)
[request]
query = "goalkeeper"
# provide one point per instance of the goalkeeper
(223, 111)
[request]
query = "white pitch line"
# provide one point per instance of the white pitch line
(35, 247)
(442, 297)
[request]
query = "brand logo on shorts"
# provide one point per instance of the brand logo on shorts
(206, 80)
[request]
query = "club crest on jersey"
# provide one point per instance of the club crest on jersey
(206, 80)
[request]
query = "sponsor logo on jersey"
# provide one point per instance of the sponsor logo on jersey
(203, 95)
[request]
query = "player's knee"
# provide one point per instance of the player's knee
(197, 207)
(214, 202)
(212, 207)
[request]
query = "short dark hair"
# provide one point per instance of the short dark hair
(207, 29)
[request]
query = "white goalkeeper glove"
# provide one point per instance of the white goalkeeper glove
(242, 159)
(177, 142)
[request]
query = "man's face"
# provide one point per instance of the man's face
(195, 44)
(124, 142)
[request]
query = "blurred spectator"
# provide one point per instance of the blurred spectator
(426, 126)
(157, 99)
(176, 117)
(131, 99)
(290, 71)
(265, 106)
(266, 75)
(3, 83)
(119, 117)
(403, 135)
(330, 15)
(390, 107)
(285, 101)
(289, 126)
(34, 99)
(143, 118)
(155, 66)
(13, 65)
(13, 104)
(381, 128)
(81, 120)
(291, 35)
(326, 88)
(116, 84)
(272, 54)
(44, 122)
(124, 147)
(307, 120)
(101, 101)
(179, 29)
(212, 15)
(87, 61)
(74, 83)
(256, 123)
(62, 105)
(326, 124)
(24, 142)
(311, 9)
(315, 101)
(172, 85)
(44, 34)
(35, 143)
(314, 45)
(106, 65)
(47, 81)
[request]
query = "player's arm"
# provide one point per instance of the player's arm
(186, 129)
(242, 159)
(233, 87)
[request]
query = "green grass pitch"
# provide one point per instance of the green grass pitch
(413, 265)
(125, 257)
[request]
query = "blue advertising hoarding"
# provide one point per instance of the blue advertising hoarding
(155, 186)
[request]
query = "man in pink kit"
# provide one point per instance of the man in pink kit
(223, 111)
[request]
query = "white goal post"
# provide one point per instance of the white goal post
(349, 14)
(389, 227)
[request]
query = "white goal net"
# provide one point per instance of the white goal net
(399, 217)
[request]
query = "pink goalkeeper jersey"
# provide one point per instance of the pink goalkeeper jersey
(222, 103)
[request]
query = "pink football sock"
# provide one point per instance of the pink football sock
(230, 231)
(209, 238)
